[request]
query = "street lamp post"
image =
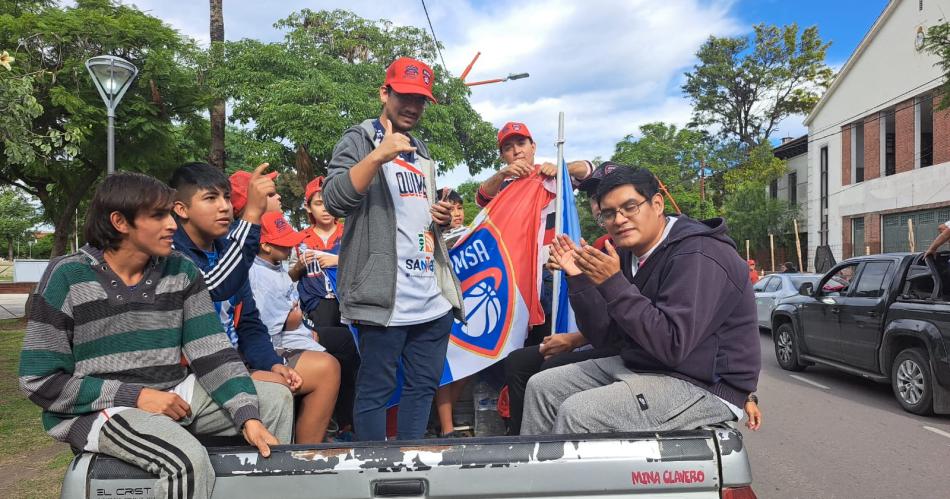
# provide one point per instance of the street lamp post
(513, 76)
(112, 76)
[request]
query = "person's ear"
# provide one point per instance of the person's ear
(181, 210)
(266, 248)
(659, 203)
(383, 94)
(119, 222)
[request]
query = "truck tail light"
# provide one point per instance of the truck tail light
(738, 493)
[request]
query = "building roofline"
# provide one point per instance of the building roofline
(852, 60)
(792, 148)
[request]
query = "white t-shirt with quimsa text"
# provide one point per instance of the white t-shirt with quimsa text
(418, 297)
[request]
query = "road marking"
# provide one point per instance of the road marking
(938, 432)
(810, 382)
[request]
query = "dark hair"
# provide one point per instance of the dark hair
(192, 177)
(452, 196)
(129, 194)
(643, 180)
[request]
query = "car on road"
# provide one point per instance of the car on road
(771, 289)
(885, 317)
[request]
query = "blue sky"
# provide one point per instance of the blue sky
(610, 65)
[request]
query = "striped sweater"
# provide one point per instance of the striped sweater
(93, 343)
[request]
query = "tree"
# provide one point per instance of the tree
(52, 43)
(937, 42)
(469, 190)
(747, 87)
(218, 111)
(17, 217)
(324, 77)
(751, 214)
(679, 157)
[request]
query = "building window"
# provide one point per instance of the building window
(897, 232)
(924, 126)
(793, 188)
(823, 205)
(857, 152)
(858, 245)
(889, 142)
(773, 189)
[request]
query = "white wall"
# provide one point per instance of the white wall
(888, 71)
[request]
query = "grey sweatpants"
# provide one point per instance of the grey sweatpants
(161, 445)
(603, 395)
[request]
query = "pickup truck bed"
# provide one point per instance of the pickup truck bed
(707, 463)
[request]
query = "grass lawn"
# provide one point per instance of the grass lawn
(21, 434)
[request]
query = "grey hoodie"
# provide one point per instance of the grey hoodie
(366, 276)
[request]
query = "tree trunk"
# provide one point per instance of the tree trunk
(218, 111)
(10, 249)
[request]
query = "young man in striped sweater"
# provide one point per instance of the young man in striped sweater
(125, 355)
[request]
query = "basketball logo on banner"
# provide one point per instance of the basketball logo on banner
(487, 291)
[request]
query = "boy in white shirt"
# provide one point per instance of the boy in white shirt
(276, 297)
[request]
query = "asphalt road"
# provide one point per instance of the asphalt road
(833, 435)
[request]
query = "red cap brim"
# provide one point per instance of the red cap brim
(409, 88)
(287, 240)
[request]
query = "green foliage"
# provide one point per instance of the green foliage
(677, 157)
(51, 43)
(751, 214)
(937, 42)
(468, 190)
(746, 87)
(755, 167)
(17, 217)
(325, 77)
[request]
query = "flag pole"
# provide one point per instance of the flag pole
(558, 218)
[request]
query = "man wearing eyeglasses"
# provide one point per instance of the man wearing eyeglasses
(676, 294)
(398, 290)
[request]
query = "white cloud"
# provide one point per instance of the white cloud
(610, 65)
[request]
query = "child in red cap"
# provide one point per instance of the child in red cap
(276, 298)
(317, 253)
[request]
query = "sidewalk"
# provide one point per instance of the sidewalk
(13, 306)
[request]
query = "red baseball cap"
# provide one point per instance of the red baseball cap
(276, 230)
(315, 186)
(513, 128)
(239, 182)
(409, 76)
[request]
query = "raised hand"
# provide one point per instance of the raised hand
(548, 169)
(599, 266)
(564, 254)
(259, 188)
(517, 169)
(393, 144)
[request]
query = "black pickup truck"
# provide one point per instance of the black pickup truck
(885, 317)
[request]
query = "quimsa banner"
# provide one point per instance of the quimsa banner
(497, 263)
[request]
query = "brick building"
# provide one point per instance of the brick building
(879, 147)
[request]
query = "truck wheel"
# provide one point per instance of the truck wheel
(786, 348)
(912, 381)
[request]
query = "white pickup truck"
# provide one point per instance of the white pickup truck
(704, 463)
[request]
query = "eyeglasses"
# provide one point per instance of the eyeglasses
(628, 210)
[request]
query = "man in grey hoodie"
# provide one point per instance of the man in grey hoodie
(395, 284)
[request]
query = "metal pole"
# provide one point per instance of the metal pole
(558, 221)
(798, 247)
(110, 161)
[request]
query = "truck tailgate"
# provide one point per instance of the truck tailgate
(671, 464)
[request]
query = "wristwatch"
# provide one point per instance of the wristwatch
(752, 398)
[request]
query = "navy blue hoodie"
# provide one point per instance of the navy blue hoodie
(237, 310)
(689, 312)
